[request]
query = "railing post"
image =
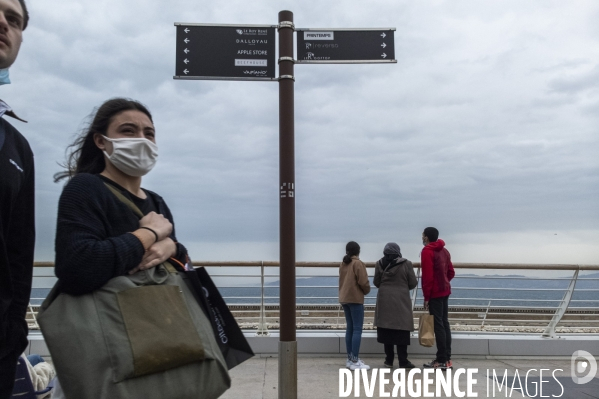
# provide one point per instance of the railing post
(485, 318)
(561, 310)
(262, 327)
(33, 317)
(415, 293)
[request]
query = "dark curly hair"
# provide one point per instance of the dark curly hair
(85, 156)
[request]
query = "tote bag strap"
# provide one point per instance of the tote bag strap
(2, 135)
(125, 200)
(167, 264)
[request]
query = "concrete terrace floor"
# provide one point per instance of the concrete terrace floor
(318, 377)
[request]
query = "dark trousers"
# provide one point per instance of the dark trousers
(438, 307)
(402, 354)
(8, 368)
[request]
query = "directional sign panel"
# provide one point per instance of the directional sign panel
(324, 46)
(225, 52)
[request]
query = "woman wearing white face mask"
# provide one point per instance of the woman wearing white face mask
(98, 237)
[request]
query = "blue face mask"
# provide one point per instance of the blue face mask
(4, 79)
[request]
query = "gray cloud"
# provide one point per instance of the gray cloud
(487, 123)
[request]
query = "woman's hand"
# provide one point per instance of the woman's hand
(158, 223)
(156, 254)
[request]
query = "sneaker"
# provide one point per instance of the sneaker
(449, 364)
(435, 365)
(408, 365)
(348, 363)
(387, 365)
(359, 365)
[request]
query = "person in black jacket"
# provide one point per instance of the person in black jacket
(393, 316)
(17, 208)
(97, 236)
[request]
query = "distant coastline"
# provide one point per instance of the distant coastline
(501, 292)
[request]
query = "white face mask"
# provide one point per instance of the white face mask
(134, 157)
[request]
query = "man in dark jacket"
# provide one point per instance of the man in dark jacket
(437, 272)
(17, 224)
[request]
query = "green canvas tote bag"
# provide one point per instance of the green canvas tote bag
(139, 336)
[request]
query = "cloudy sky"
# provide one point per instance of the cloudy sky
(487, 126)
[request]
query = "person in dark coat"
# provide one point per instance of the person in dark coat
(394, 277)
(17, 208)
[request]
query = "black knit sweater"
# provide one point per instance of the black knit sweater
(93, 240)
(17, 237)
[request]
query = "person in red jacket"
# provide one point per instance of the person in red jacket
(437, 272)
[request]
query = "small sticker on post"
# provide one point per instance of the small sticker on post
(287, 190)
(308, 35)
(261, 63)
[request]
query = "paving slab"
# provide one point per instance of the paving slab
(248, 380)
(321, 356)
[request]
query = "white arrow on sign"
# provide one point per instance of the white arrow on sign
(186, 40)
(186, 30)
(384, 55)
(186, 51)
(383, 35)
(383, 45)
(186, 61)
(185, 71)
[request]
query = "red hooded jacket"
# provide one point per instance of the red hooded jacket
(437, 270)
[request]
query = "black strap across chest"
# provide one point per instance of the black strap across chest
(2, 135)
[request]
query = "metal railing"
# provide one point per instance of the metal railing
(537, 303)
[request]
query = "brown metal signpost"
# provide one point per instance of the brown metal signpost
(287, 340)
(246, 52)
